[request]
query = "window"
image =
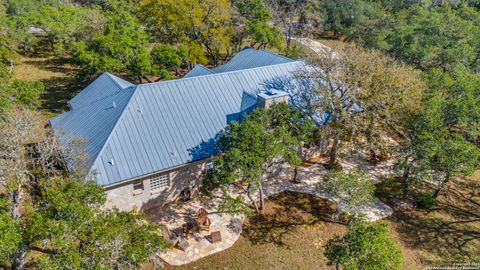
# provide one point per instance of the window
(137, 187)
(159, 183)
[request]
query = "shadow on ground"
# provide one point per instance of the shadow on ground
(450, 232)
(284, 213)
(59, 90)
(58, 76)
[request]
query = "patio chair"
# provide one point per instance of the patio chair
(189, 228)
(202, 220)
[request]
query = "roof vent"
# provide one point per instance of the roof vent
(114, 104)
(140, 110)
(111, 162)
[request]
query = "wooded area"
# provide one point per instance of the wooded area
(402, 71)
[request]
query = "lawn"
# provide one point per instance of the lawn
(295, 228)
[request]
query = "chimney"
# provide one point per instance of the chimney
(268, 98)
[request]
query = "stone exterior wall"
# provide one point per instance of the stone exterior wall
(267, 103)
(122, 196)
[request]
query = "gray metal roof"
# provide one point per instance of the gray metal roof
(91, 123)
(252, 58)
(245, 59)
(198, 70)
(105, 85)
(161, 125)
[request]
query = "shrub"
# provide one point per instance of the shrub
(426, 200)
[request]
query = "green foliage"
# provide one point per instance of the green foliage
(17, 92)
(166, 58)
(439, 149)
(250, 147)
(460, 91)
(439, 37)
(26, 93)
(80, 235)
(63, 24)
(365, 246)
(200, 25)
(20, 7)
(10, 236)
(121, 47)
(264, 35)
(356, 18)
(426, 200)
(256, 16)
(353, 188)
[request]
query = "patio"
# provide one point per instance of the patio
(174, 216)
(199, 244)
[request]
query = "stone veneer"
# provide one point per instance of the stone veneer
(122, 196)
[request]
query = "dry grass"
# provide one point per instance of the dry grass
(295, 228)
(290, 235)
(57, 75)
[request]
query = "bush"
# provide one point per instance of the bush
(426, 200)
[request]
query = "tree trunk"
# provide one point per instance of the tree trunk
(19, 258)
(17, 198)
(262, 197)
(406, 179)
(11, 66)
(295, 175)
(442, 185)
(249, 195)
(333, 152)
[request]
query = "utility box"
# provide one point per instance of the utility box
(267, 99)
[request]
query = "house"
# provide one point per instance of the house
(149, 143)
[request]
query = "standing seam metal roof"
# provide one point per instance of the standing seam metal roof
(162, 125)
(105, 85)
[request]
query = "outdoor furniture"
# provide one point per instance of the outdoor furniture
(170, 237)
(215, 237)
(202, 220)
(189, 228)
(182, 244)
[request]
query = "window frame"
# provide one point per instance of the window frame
(161, 184)
(138, 187)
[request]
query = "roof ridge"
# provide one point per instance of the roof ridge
(202, 66)
(112, 77)
(276, 54)
(221, 73)
(113, 128)
(98, 100)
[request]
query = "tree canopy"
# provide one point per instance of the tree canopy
(250, 147)
(365, 246)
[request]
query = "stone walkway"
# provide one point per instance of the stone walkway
(310, 177)
(230, 226)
